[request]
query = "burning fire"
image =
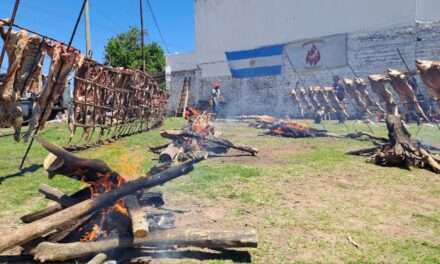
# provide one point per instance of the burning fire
(105, 182)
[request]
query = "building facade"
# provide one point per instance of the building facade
(373, 31)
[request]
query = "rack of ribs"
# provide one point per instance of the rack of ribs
(430, 73)
(323, 100)
(302, 96)
(356, 96)
(64, 61)
(334, 101)
(361, 85)
(11, 113)
(297, 101)
(408, 99)
(314, 102)
(379, 83)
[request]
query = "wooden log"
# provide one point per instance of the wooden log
(170, 153)
(98, 259)
(41, 227)
(56, 195)
(176, 134)
(181, 238)
(139, 222)
(64, 202)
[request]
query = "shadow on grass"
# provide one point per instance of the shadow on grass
(31, 169)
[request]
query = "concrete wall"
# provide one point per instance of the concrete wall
(227, 25)
(368, 52)
(375, 29)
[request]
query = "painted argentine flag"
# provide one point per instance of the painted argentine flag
(265, 61)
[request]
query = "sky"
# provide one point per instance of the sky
(56, 19)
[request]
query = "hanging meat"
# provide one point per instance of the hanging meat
(311, 94)
(408, 99)
(330, 93)
(361, 86)
(430, 73)
(297, 102)
(323, 100)
(10, 109)
(302, 96)
(354, 93)
(64, 61)
(379, 85)
(29, 76)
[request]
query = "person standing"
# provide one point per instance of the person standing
(215, 97)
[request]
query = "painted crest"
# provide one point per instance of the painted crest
(313, 56)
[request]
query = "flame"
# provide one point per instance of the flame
(92, 235)
(105, 182)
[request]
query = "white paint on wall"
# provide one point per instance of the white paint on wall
(225, 25)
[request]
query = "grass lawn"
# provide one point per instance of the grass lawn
(304, 196)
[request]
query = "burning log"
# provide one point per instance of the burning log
(64, 202)
(139, 223)
(171, 153)
(400, 150)
(180, 238)
(178, 134)
(68, 164)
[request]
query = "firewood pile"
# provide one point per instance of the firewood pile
(399, 150)
(109, 217)
(198, 135)
(284, 127)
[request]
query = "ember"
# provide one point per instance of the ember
(108, 216)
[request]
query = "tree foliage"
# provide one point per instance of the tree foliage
(124, 50)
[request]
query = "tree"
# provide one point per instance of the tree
(124, 50)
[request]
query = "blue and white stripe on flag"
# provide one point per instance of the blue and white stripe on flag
(265, 61)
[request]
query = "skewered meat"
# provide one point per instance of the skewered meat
(430, 73)
(379, 85)
(11, 113)
(323, 100)
(302, 96)
(29, 78)
(354, 93)
(64, 62)
(408, 99)
(297, 102)
(361, 86)
(311, 94)
(334, 101)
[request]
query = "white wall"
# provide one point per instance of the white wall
(428, 10)
(225, 25)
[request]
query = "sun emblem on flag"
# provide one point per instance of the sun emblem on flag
(252, 63)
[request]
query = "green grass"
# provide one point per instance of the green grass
(19, 191)
(304, 196)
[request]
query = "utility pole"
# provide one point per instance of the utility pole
(141, 10)
(87, 21)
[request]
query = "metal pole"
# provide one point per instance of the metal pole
(403, 60)
(87, 25)
(141, 10)
(51, 94)
(11, 22)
